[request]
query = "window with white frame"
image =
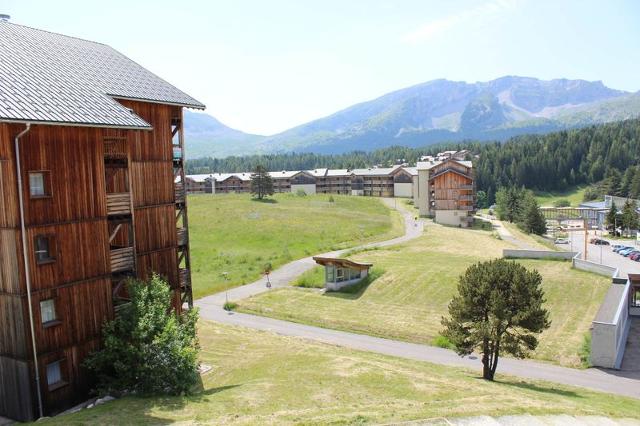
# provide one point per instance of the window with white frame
(54, 373)
(44, 249)
(48, 311)
(38, 184)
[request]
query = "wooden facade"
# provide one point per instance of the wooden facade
(113, 207)
(451, 188)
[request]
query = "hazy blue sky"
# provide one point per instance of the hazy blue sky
(264, 66)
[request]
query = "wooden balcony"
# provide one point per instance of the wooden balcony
(122, 259)
(118, 203)
(179, 191)
(466, 186)
(466, 197)
(184, 279)
(183, 239)
(116, 148)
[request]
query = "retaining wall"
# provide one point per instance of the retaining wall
(537, 254)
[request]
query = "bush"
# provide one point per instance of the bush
(148, 347)
(230, 306)
(591, 193)
(443, 342)
(585, 351)
(331, 200)
(562, 203)
(301, 193)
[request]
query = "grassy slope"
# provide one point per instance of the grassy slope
(574, 195)
(408, 301)
(262, 378)
(233, 233)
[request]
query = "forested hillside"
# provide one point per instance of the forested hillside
(542, 162)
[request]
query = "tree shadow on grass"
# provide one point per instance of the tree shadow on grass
(265, 200)
(533, 387)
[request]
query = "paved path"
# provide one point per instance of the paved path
(211, 309)
(284, 275)
(592, 378)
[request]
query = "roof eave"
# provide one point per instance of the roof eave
(198, 106)
(74, 124)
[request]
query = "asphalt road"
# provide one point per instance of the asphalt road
(610, 381)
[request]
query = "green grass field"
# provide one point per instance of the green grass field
(408, 301)
(574, 195)
(262, 378)
(234, 234)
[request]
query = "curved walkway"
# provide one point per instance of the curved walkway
(284, 275)
(211, 308)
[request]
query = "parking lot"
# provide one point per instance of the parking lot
(602, 254)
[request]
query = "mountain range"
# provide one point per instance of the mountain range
(432, 112)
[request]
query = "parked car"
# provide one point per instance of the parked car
(626, 251)
(561, 241)
(629, 253)
(616, 247)
(621, 248)
(635, 256)
(599, 242)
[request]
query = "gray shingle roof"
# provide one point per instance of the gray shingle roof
(48, 77)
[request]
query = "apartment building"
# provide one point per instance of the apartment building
(446, 191)
(92, 192)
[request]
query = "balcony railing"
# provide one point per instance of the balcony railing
(118, 203)
(179, 190)
(466, 186)
(182, 236)
(116, 149)
(122, 259)
(183, 278)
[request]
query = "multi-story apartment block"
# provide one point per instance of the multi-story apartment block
(91, 193)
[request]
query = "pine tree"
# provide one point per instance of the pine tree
(532, 220)
(634, 189)
(498, 309)
(611, 220)
(627, 179)
(629, 217)
(261, 183)
(612, 181)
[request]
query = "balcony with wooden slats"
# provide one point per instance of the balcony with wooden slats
(183, 278)
(179, 191)
(118, 204)
(116, 148)
(466, 186)
(122, 259)
(183, 239)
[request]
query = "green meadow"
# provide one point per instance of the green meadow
(260, 378)
(417, 281)
(233, 236)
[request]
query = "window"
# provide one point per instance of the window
(44, 246)
(636, 297)
(48, 311)
(330, 274)
(39, 184)
(54, 375)
(339, 274)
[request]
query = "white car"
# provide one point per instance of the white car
(561, 241)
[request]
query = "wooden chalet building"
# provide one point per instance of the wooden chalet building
(446, 191)
(91, 193)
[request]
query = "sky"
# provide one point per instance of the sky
(265, 66)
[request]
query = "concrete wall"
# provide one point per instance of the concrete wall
(309, 188)
(450, 217)
(402, 190)
(338, 286)
(608, 339)
(538, 254)
(423, 193)
(596, 268)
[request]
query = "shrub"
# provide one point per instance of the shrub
(148, 347)
(585, 351)
(301, 193)
(443, 342)
(562, 203)
(230, 306)
(331, 200)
